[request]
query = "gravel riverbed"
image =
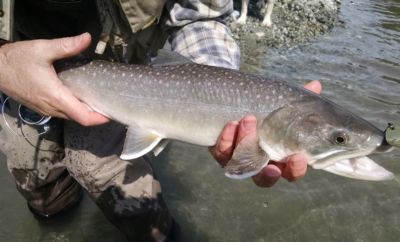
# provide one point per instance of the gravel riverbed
(294, 22)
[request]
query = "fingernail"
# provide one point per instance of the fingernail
(249, 123)
(273, 172)
(231, 127)
(234, 123)
(78, 39)
(297, 161)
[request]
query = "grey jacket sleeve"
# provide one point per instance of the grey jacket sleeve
(6, 7)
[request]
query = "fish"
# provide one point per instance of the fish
(192, 103)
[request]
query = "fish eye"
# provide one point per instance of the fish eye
(340, 138)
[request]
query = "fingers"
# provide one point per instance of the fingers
(247, 126)
(232, 134)
(64, 47)
(79, 112)
(223, 149)
(33, 82)
(292, 168)
(268, 176)
(314, 86)
(295, 167)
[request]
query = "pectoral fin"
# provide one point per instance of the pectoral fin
(362, 168)
(139, 142)
(248, 159)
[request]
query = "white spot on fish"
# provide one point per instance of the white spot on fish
(123, 74)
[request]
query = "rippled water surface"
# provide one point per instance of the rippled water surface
(359, 66)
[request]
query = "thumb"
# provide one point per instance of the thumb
(65, 47)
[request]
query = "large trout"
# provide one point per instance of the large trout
(193, 103)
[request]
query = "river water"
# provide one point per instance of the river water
(359, 66)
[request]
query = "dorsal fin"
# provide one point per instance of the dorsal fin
(166, 57)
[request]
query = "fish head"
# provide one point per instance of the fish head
(334, 139)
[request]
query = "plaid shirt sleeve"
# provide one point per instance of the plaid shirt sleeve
(207, 42)
(182, 12)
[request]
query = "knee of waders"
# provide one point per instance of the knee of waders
(54, 198)
(143, 218)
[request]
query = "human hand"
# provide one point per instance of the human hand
(291, 168)
(27, 75)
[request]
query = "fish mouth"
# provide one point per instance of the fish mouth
(354, 165)
(362, 168)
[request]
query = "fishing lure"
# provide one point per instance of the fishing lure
(392, 134)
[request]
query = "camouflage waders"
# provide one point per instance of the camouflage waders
(49, 171)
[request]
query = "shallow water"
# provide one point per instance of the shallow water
(359, 66)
